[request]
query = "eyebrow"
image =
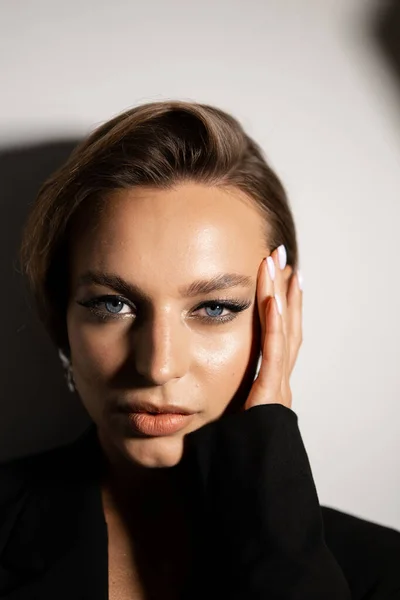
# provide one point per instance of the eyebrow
(218, 282)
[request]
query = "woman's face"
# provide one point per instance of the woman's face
(152, 340)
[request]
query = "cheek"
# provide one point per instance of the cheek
(226, 355)
(95, 356)
(227, 364)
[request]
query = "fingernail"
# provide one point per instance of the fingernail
(271, 267)
(300, 279)
(282, 256)
(278, 303)
(258, 366)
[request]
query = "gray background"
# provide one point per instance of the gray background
(316, 83)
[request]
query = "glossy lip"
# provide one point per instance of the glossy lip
(158, 424)
(149, 408)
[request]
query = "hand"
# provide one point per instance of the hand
(281, 335)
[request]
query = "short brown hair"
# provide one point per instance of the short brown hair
(157, 145)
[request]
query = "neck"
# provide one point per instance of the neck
(149, 490)
(146, 511)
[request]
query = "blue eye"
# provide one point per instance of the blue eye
(113, 308)
(216, 306)
(112, 304)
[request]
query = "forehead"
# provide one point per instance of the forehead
(192, 228)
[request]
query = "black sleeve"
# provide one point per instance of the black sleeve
(262, 530)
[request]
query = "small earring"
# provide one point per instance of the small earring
(258, 366)
(66, 363)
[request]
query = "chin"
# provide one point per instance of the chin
(156, 452)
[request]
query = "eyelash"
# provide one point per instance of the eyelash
(235, 306)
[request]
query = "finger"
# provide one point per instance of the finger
(267, 387)
(280, 259)
(265, 290)
(295, 319)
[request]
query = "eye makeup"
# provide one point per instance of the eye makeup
(234, 307)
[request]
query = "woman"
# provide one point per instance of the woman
(163, 260)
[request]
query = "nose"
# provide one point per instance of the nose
(161, 348)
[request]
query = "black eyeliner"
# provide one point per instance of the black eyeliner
(235, 306)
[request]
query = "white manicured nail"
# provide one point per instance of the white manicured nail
(271, 267)
(278, 303)
(258, 366)
(300, 279)
(282, 256)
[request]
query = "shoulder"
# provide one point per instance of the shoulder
(342, 528)
(25, 485)
(17, 472)
(34, 491)
(368, 553)
(22, 475)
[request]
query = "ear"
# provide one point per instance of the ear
(287, 274)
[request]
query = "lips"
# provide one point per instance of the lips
(159, 424)
(148, 407)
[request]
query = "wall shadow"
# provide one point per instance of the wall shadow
(37, 409)
(385, 31)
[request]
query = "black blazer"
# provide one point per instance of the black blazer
(259, 529)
